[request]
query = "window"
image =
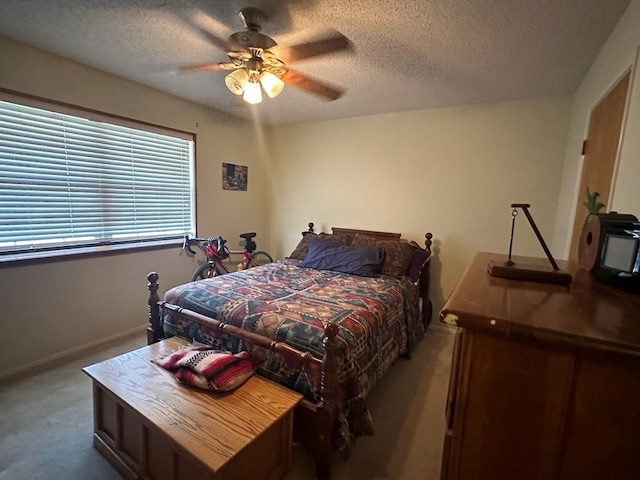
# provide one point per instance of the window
(71, 184)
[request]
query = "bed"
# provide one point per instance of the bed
(326, 321)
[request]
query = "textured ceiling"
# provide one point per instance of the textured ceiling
(408, 55)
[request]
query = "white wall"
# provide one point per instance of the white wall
(615, 58)
(450, 171)
(49, 308)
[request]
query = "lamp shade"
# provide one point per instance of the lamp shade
(271, 83)
(236, 81)
(252, 92)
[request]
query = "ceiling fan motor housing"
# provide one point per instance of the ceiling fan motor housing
(245, 40)
(252, 18)
(251, 40)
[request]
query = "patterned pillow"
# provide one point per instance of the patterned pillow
(398, 254)
(303, 246)
(340, 238)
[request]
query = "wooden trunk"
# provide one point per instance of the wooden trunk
(148, 426)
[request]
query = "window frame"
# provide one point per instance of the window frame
(125, 246)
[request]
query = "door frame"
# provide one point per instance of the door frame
(634, 73)
(578, 195)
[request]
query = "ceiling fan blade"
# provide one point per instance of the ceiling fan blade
(208, 67)
(314, 48)
(315, 87)
(218, 42)
(189, 21)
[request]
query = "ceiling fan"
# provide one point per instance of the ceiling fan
(256, 68)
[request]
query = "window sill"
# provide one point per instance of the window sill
(95, 250)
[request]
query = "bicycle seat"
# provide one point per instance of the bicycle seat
(249, 244)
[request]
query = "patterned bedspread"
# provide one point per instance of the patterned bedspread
(378, 320)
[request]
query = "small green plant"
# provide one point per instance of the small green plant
(592, 203)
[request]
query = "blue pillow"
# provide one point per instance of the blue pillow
(356, 260)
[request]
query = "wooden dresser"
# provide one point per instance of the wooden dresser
(545, 380)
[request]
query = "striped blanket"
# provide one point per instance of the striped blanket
(203, 367)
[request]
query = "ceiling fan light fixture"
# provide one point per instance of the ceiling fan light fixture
(252, 92)
(237, 81)
(254, 67)
(271, 83)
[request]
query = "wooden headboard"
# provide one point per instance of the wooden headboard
(374, 233)
(370, 233)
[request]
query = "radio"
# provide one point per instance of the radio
(610, 248)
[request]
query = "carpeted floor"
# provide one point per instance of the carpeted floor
(46, 421)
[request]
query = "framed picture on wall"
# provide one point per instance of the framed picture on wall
(234, 177)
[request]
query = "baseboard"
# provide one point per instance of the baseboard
(68, 353)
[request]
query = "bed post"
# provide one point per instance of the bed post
(327, 413)
(427, 241)
(427, 308)
(154, 330)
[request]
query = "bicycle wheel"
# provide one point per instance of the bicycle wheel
(260, 258)
(207, 270)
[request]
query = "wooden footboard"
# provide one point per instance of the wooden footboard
(316, 428)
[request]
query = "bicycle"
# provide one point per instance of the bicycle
(216, 251)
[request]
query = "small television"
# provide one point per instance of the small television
(618, 263)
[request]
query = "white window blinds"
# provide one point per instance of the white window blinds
(68, 181)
